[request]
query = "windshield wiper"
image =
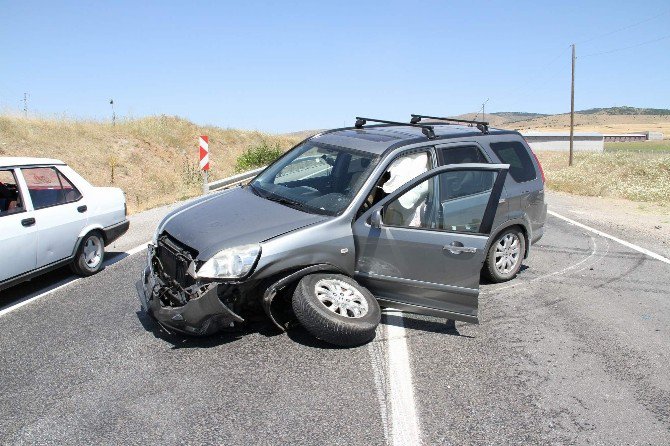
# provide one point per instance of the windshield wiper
(288, 202)
(254, 190)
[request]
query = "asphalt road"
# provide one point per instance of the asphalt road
(573, 351)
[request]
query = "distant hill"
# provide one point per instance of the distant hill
(626, 111)
(605, 120)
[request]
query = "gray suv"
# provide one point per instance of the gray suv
(397, 215)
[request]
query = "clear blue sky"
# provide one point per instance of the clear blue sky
(284, 66)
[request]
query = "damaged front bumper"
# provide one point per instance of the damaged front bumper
(203, 314)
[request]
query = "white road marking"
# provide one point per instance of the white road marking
(378, 359)
(137, 249)
(611, 237)
(20, 304)
(404, 421)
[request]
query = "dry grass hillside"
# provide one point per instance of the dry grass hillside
(154, 159)
(596, 122)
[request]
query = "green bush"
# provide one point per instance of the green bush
(258, 156)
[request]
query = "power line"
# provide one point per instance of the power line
(628, 47)
(609, 33)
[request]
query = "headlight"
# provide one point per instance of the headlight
(231, 263)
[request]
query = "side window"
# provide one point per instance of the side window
(465, 195)
(70, 192)
(461, 209)
(521, 167)
(400, 171)
(462, 154)
(48, 187)
(414, 208)
(10, 197)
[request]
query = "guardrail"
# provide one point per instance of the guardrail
(241, 177)
(234, 180)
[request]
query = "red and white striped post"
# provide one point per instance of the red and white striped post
(204, 161)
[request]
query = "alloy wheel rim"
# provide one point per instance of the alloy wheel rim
(93, 252)
(341, 298)
(507, 254)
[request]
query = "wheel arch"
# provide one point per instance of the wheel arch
(518, 223)
(288, 278)
(86, 231)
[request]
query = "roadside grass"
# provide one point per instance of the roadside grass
(153, 159)
(637, 176)
(642, 146)
(258, 156)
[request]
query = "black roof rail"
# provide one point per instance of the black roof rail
(481, 125)
(425, 129)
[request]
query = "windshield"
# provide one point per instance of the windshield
(315, 178)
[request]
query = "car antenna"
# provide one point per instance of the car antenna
(425, 129)
(481, 125)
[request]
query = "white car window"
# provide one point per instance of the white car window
(10, 197)
(48, 187)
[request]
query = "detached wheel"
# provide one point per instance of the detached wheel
(505, 255)
(90, 255)
(336, 309)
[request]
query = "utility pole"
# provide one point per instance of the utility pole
(111, 102)
(25, 104)
(572, 106)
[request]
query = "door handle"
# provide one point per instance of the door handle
(457, 248)
(28, 222)
(82, 208)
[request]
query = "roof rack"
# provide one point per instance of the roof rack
(425, 129)
(481, 125)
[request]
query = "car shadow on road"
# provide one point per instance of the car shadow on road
(422, 323)
(484, 280)
(180, 340)
(295, 332)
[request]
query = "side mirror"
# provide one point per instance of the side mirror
(376, 218)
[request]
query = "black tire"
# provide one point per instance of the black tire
(328, 325)
(82, 265)
(494, 273)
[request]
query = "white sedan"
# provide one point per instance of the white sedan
(50, 217)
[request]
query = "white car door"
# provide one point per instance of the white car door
(60, 212)
(18, 232)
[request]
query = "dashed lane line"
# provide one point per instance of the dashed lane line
(404, 420)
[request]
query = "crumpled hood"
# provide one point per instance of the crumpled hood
(232, 218)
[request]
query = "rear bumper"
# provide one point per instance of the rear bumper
(202, 315)
(115, 231)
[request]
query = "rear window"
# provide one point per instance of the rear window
(521, 166)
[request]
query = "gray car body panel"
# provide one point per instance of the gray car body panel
(238, 217)
(292, 240)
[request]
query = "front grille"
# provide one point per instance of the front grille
(174, 259)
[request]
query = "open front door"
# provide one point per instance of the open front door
(421, 248)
